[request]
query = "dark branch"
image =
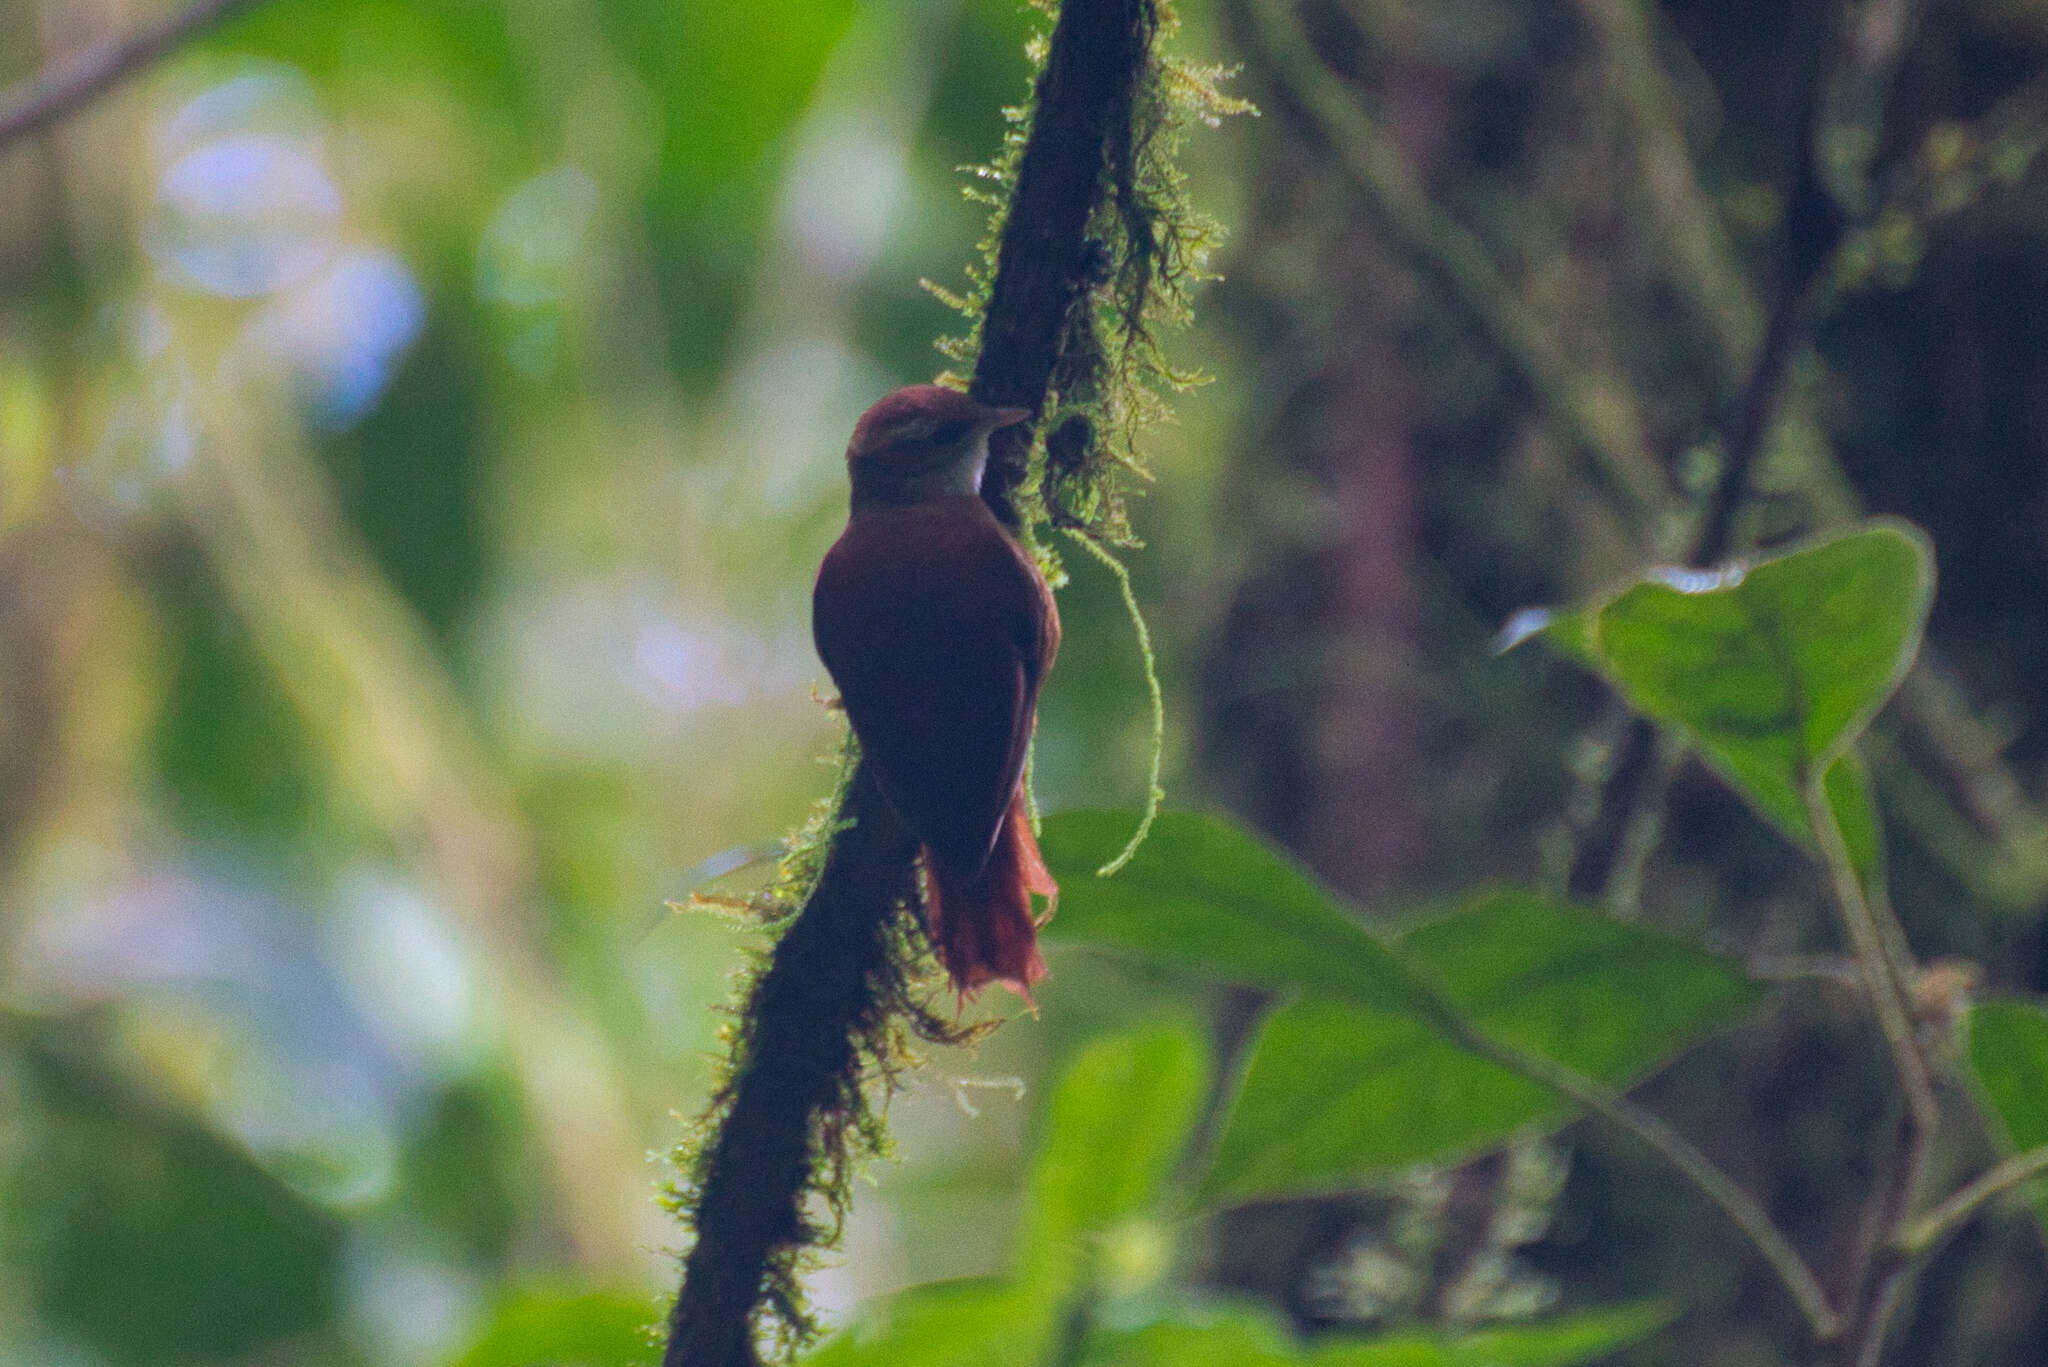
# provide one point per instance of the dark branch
(1099, 50)
(1814, 226)
(796, 1085)
(808, 1009)
(1631, 774)
(70, 83)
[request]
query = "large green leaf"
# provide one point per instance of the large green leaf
(1355, 1078)
(1774, 671)
(1337, 1091)
(1604, 997)
(1248, 1338)
(1114, 1128)
(987, 1323)
(1552, 1343)
(1117, 1123)
(1205, 895)
(591, 1329)
(2009, 1061)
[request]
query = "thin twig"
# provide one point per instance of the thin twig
(70, 83)
(1589, 415)
(1867, 1350)
(1880, 981)
(1688, 230)
(1923, 1235)
(1625, 790)
(1912, 1244)
(1694, 1166)
(1814, 225)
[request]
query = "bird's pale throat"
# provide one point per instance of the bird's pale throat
(885, 484)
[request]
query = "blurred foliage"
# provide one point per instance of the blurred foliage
(127, 1210)
(1090, 1284)
(2009, 1061)
(419, 424)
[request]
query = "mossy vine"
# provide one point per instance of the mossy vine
(836, 1004)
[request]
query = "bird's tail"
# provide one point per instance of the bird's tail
(982, 924)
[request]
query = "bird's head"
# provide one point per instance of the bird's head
(922, 442)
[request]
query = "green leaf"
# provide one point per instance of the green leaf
(1775, 670)
(988, 1323)
(1354, 1078)
(2009, 1063)
(1854, 803)
(1243, 1337)
(1205, 895)
(1210, 1336)
(1551, 1343)
(1117, 1124)
(1337, 1091)
(566, 1330)
(1604, 997)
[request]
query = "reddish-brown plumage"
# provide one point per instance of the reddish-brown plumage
(938, 628)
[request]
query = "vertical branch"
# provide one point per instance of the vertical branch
(1814, 225)
(798, 1053)
(792, 1106)
(1813, 229)
(1099, 49)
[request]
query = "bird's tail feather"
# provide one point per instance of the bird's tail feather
(982, 924)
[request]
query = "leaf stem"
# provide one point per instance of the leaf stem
(1923, 1235)
(1885, 965)
(1674, 1148)
(1875, 960)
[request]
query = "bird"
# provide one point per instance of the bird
(937, 628)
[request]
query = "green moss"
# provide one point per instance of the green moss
(897, 1017)
(1148, 249)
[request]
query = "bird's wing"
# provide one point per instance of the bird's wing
(937, 631)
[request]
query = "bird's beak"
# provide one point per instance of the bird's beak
(1009, 417)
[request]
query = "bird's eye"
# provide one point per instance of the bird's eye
(946, 433)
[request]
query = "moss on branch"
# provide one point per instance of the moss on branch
(1090, 250)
